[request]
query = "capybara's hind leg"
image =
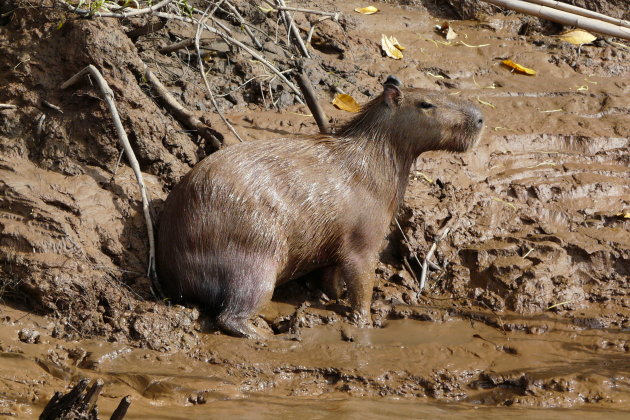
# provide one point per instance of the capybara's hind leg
(332, 282)
(244, 298)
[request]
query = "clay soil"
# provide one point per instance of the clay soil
(526, 314)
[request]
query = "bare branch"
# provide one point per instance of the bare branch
(185, 43)
(131, 157)
(239, 44)
(427, 257)
(292, 27)
(240, 19)
(184, 116)
(311, 100)
(135, 12)
(203, 72)
(334, 15)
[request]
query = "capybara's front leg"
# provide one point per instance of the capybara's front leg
(358, 273)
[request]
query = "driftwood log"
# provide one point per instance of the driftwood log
(80, 403)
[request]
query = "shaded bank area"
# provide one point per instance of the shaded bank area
(528, 306)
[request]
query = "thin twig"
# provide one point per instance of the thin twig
(335, 15)
(131, 157)
(415, 256)
(184, 116)
(203, 72)
(292, 27)
(8, 106)
(239, 44)
(133, 12)
(427, 257)
(40, 124)
(311, 31)
(146, 29)
(243, 24)
(51, 106)
(185, 43)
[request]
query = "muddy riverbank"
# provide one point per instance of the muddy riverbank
(529, 309)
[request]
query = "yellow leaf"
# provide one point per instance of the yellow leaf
(511, 64)
(450, 34)
(395, 43)
(623, 215)
(370, 10)
(266, 9)
(389, 48)
(446, 30)
(577, 36)
(346, 103)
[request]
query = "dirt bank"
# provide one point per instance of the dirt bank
(529, 306)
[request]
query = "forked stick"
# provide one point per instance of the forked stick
(124, 141)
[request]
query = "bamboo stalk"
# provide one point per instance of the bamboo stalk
(581, 11)
(564, 18)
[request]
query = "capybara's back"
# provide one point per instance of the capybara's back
(257, 214)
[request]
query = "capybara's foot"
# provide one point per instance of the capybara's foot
(360, 319)
(241, 327)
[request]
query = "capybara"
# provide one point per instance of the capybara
(257, 214)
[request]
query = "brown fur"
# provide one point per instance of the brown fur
(258, 214)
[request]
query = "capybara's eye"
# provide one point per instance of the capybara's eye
(425, 105)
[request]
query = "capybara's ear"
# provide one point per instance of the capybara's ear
(393, 80)
(392, 94)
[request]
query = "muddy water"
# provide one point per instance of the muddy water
(536, 207)
(336, 370)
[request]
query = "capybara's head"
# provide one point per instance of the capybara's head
(418, 120)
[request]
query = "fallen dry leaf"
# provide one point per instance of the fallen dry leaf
(370, 10)
(346, 103)
(521, 69)
(395, 43)
(266, 9)
(577, 36)
(390, 48)
(446, 30)
(450, 34)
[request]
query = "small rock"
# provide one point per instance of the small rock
(26, 335)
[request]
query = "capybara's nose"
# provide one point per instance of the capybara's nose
(475, 116)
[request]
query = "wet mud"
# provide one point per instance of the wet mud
(527, 308)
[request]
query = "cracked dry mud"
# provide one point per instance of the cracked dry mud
(530, 311)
